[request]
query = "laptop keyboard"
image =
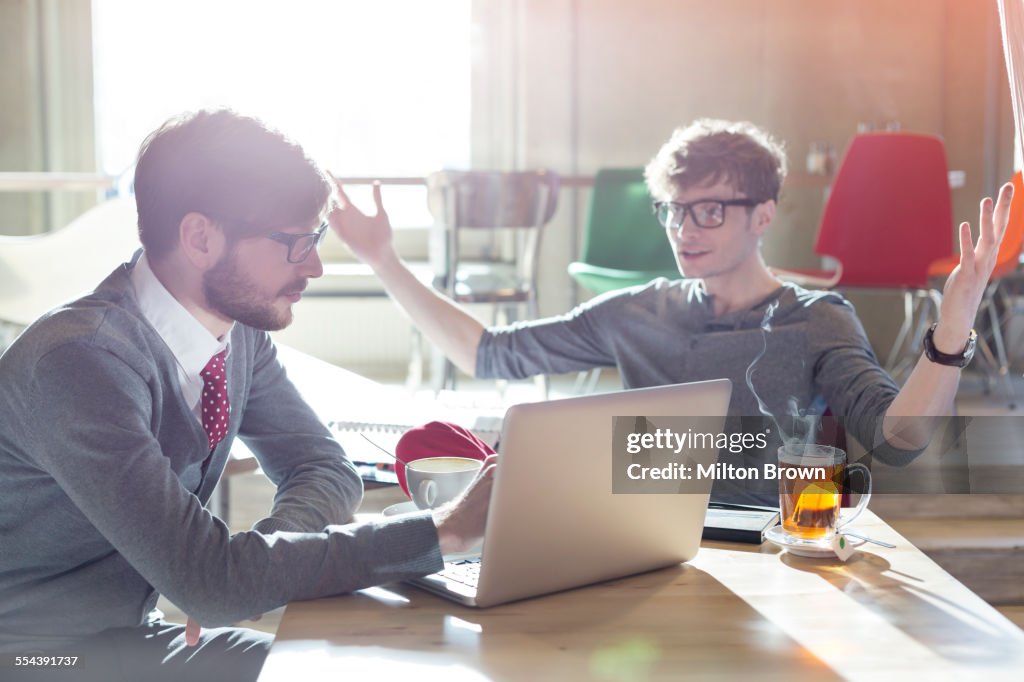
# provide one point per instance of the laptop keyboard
(466, 571)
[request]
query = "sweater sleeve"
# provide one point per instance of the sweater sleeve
(93, 419)
(316, 484)
(575, 341)
(850, 378)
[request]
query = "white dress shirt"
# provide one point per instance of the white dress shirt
(191, 343)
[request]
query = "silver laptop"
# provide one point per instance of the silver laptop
(554, 522)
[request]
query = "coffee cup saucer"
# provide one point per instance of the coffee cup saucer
(400, 508)
(814, 549)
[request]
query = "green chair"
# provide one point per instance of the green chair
(623, 245)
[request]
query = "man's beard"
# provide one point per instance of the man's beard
(233, 294)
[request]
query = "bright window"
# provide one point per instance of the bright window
(376, 87)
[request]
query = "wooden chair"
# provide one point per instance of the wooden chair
(486, 243)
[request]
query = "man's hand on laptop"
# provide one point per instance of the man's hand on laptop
(460, 523)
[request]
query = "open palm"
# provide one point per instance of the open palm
(369, 236)
(966, 284)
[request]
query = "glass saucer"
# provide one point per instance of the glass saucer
(814, 549)
(400, 508)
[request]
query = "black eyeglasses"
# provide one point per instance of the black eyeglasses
(300, 245)
(706, 213)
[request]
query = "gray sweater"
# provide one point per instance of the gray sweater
(102, 485)
(666, 332)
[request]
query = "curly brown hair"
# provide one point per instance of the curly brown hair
(710, 150)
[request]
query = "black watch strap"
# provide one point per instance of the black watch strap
(957, 360)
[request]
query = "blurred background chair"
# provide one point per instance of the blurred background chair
(888, 218)
(486, 242)
(39, 272)
(623, 244)
(996, 304)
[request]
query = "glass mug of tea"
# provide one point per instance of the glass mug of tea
(811, 482)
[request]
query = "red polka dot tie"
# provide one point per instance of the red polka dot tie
(215, 399)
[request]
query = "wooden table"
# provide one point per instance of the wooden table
(734, 612)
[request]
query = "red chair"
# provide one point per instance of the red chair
(1007, 262)
(887, 219)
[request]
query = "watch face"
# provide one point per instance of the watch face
(972, 343)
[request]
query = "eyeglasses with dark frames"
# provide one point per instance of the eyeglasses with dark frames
(706, 213)
(300, 245)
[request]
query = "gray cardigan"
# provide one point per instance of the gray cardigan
(102, 485)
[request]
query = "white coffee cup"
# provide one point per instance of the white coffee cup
(434, 481)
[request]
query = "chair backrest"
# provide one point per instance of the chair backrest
(888, 216)
(1013, 241)
(40, 272)
(524, 201)
(621, 230)
(492, 199)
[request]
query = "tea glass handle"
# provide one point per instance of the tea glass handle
(428, 492)
(864, 498)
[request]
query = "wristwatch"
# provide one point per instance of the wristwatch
(959, 360)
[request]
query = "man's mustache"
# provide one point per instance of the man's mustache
(296, 287)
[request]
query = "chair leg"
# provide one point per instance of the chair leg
(990, 361)
(543, 384)
(929, 313)
(1003, 363)
(924, 306)
(586, 381)
(449, 375)
(897, 346)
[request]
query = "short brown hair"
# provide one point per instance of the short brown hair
(231, 168)
(711, 150)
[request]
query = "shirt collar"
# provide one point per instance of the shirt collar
(191, 343)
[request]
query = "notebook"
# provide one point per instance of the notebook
(547, 533)
(739, 522)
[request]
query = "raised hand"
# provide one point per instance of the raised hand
(966, 284)
(369, 237)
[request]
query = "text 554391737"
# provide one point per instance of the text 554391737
(46, 660)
